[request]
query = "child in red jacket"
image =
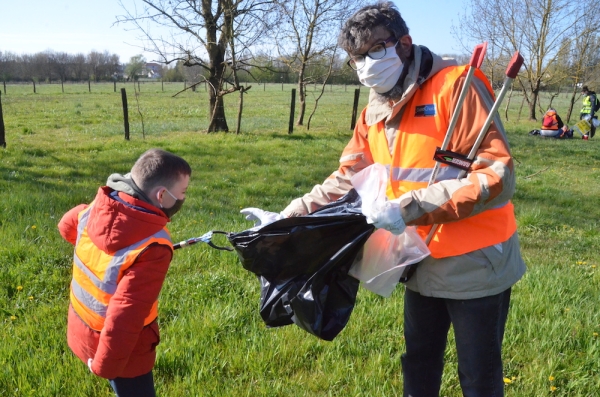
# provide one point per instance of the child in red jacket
(122, 253)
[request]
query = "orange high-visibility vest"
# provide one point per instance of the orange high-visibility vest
(550, 122)
(421, 131)
(97, 273)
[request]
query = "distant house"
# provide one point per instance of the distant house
(152, 70)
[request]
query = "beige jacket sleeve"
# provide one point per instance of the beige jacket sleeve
(355, 157)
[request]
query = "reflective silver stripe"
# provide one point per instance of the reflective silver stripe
(114, 267)
(423, 174)
(351, 157)
(106, 287)
(88, 300)
(82, 223)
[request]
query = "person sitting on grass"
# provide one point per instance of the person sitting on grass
(553, 126)
(122, 253)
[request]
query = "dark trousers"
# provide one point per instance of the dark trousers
(478, 328)
(140, 386)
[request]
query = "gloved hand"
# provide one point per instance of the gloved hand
(387, 215)
(261, 217)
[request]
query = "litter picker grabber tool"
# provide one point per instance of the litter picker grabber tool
(205, 238)
(511, 73)
(475, 63)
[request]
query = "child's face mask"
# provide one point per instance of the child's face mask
(174, 208)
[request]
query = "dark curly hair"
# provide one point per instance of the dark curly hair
(357, 30)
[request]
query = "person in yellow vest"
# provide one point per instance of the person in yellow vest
(475, 255)
(123, 250)
(588, 108)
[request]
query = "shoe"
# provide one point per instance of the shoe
(585, 137)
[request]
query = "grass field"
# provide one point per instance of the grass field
(61, 147)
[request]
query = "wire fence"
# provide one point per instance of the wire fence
(156, 107)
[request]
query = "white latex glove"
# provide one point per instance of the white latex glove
(387, 215)
(89, 363)
(261, 217)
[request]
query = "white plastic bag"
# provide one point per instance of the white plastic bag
(385, 255)
(371, 184)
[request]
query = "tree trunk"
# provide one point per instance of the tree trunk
(240, 110)
(302, 102)
(218, 122)
(521, 108)
(301, 95)
(533, 105)
(571, 105)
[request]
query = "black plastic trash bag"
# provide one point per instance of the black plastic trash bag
(302, 264)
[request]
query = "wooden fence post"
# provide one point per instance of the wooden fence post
(292, 108)
(33, 86)
(355, 108)
(4, 87)
(125, 113)
(2, 131)
(115, 86)
(62, 86)
(89, 85)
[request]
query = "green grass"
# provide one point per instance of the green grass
(61, 147)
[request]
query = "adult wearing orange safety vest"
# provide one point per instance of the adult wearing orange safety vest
(553, 126)
(475, 255)
(122, 253)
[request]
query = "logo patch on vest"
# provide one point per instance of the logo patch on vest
(425, 111)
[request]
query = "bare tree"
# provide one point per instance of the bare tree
(308, 32)
(79, 67)
(62, 65)
(585, 63)
(102, 65)
(536, 28)
(200, 33)
(134, 70)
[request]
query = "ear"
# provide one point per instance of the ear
(156, 195)
(404, 47)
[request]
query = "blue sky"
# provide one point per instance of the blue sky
(80, 26)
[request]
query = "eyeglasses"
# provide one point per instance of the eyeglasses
(378, 51)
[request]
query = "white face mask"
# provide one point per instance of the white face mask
(381, 74)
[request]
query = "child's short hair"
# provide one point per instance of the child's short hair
(157, 167)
